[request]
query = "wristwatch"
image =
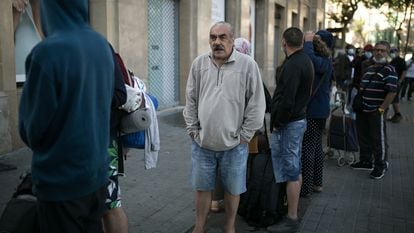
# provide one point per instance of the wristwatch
(381, 110)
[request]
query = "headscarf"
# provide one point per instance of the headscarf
(242, 45)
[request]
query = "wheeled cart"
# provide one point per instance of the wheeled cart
(342, 138)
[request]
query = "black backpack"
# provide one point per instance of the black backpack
(20, 214)
(264, 202)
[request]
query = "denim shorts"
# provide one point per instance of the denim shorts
(286, 145)
(232, 164)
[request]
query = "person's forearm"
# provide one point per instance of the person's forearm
(16, 17)
(388, 99)
(401, 79)
(36, 16)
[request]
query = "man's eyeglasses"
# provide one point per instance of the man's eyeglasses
(380, 50)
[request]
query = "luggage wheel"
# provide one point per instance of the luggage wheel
(341, 161)
(351, 158)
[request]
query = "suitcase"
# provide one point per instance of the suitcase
(264, 202)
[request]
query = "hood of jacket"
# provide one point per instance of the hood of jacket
(57, 15)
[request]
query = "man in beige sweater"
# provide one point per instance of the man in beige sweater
(225, 105)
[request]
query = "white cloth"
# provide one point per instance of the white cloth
(134, 99)
(333, 99)
(351, 59)
(135, 93)
(152, 137)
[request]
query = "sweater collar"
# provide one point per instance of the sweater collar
(232, 57)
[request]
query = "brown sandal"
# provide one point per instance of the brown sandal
(317, 189)
(216, 206)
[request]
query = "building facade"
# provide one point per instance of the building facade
(158, 40)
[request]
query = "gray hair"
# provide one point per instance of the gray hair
(228, 25)
(385, 43)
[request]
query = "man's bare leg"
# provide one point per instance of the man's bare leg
(231, 204)
(292, 193)
(115, 221)
(396, 107)
(203, 201)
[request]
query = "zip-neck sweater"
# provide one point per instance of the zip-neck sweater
(224, 104)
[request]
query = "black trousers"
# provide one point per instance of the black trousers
(407, 87)
(82, 215)
(372, 138)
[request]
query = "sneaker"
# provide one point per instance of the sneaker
(361, 165)
(396, 118)
(286, 225)
(377, 173)
(305, 195)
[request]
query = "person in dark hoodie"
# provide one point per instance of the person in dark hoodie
(64, 117)
(319, 48)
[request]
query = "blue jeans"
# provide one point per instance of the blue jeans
(232, 164)
(286, 145)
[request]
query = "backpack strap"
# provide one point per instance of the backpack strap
(127, 78)
(121, 156)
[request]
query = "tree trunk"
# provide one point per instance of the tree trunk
(408, 29)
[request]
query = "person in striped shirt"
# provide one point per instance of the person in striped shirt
(378, 88)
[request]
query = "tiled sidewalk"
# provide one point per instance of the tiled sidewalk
(161, 200)
(351, 202)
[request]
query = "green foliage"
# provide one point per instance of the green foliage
(397, 12)
(358, 28)
(348, 9)
(397, 5)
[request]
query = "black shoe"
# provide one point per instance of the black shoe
(286, 225)
(377, 173)
(361, 165)
(305, 195)
(396, 118)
